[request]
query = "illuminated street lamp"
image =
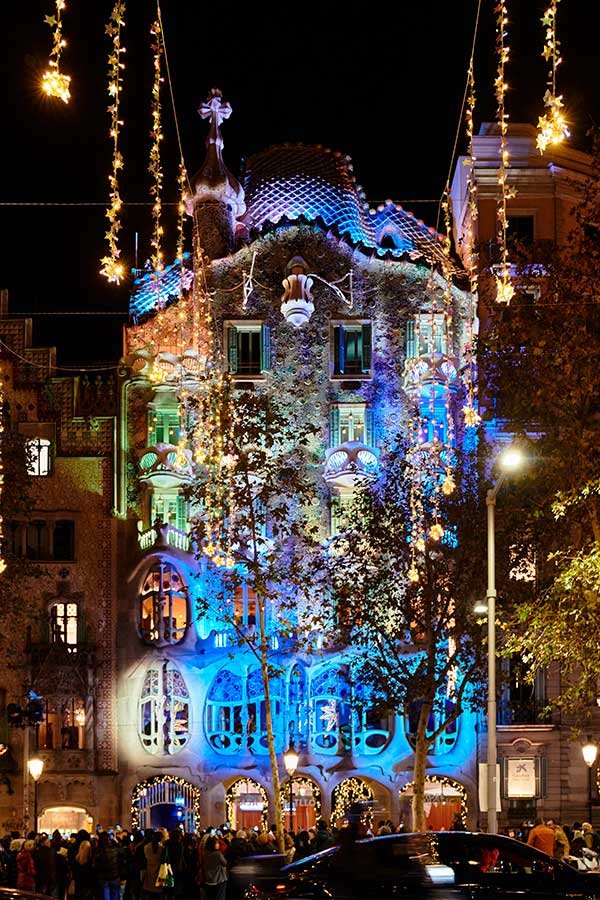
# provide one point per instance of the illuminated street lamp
(35, 767)
(509, 461)
(590, 754)
(290, 761)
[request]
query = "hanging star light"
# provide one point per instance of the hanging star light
(155, 164)
(111, 265)
(504, 288)
(54, 82)
(552, 126)
(329, 714)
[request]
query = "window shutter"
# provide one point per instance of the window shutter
(334, 426)
(181, 513)
(367, 342)
(369, 440)
(265, 348)
(411, 350)
(341, 349)
(232, 349)
(336, 349)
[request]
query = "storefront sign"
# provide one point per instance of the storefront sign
(520, 778)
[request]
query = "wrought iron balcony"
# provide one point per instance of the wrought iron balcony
(163, 535)
(430, 373)
(351, 463)
(161, 465)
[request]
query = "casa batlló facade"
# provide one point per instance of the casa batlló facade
(153, 710)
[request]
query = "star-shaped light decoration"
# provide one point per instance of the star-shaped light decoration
(329, 715)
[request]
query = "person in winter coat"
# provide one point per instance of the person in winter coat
(108, 868)
(45, 866)
(26, 867)
(215, 870)
(153, 853)
(83, 872)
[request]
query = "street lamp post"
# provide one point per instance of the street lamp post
(35, 767)
(509, 460)
(590, 754)
(290, 761)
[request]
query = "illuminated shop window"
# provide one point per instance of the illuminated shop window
(164, 710)
(443, 711)
(426, 334)
(164, 426)
(63, 623)
(351, 349)
(163, 606)
(248, 348)
(38, 456)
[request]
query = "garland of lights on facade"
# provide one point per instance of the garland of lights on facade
(504, 288)
(155, 164)
(141, 788)
(345, 794)
(455, 786)
(232, 794)
(182, 180)
(552, 126)
(112, 266)
(307, 785)
(54, 82)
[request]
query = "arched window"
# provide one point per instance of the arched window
(443, 711)
(63, 624)
(225, 726)
(163, 606)
(330, 706)
(297, 707)
(245, 612)
(235, 713)
(164, 710)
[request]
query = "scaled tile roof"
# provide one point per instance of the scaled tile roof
(148, 295)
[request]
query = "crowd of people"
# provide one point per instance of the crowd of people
(148, 865)
(579, 845)
(157, 865)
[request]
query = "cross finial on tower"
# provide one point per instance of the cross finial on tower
(214, 108)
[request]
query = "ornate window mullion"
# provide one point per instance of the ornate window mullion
(244, 714)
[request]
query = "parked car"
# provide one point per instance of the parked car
(10, 893)
(437, 866)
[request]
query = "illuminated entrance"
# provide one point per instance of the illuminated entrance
(247, 805)
(165, 801)
(352, 792)
(306, 803)
(444, 800)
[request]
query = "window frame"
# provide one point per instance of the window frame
(34, 447)
(338, 328)
(236, 327)
(163, 737)
(162, 596)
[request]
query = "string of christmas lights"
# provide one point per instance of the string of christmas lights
(348, 792)
(443, 782)
(232, 794)
(182, 180)
(111, 265)
(54, 82)
(470, 414)
(552, 126)
(504, 288)
(140, 789)
(155, 164)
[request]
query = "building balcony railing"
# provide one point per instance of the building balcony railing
(163, 535)
(351, 463)
(163, 465)
(59, 653)
(67, 760)
(430, 374)
(523, 713)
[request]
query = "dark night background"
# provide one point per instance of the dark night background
(382, 82)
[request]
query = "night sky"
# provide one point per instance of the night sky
(382, 82)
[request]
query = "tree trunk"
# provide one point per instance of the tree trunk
(264, 668)
(421, 749)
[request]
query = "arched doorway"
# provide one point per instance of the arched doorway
(165, 801)
(444, 799)
(349, 793)
(305, 803)
(67, 819)
(247, 804)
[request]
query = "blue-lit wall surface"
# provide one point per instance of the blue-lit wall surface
(216, 672)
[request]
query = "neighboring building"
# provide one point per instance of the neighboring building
(152, 712)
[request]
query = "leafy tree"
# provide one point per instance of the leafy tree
(541, 362)
(258, 517)
(415, 643)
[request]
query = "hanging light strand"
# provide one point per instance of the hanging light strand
(504, 288)
(111, 265)
(155, 164)
(470, 414)
(54, 82)
(182, 181)
(552, 126)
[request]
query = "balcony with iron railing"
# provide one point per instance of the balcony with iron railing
(161, 534)
(531, 712)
